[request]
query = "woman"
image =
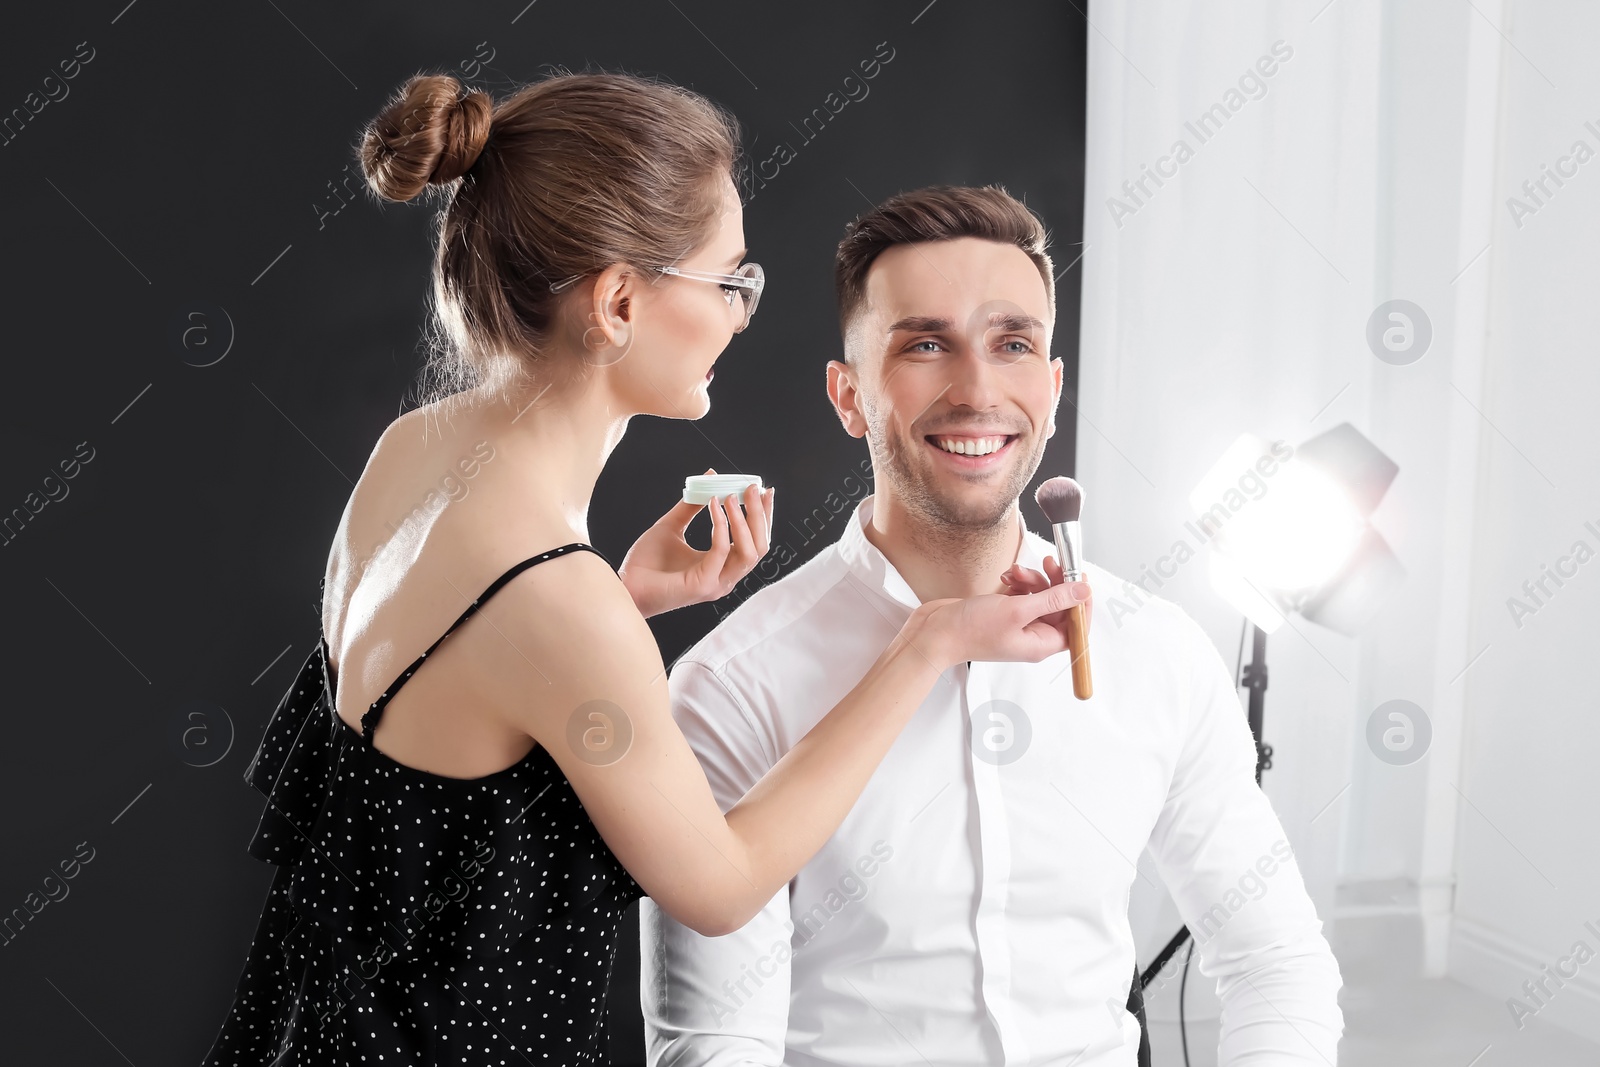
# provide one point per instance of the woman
(456, 844)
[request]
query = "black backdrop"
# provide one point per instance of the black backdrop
(207, 325)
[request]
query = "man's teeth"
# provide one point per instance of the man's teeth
(971, 446)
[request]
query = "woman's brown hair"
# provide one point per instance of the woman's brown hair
(564, 177)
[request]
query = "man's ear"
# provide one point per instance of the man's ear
(846, 399)
(1056, 373)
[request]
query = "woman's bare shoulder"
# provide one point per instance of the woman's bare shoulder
(435, 499)
(567, 631)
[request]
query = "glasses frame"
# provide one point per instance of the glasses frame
(750, 282)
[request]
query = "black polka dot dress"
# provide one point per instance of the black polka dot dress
(414, 918)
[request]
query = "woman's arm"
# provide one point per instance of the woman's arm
(649, 797)
(651, 803)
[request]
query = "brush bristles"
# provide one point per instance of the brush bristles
(1061, 499)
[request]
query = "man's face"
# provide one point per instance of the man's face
(951, 349)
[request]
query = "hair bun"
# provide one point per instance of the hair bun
(428, 133)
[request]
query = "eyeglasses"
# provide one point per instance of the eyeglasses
(745, 283)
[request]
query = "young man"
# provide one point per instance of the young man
(972, 908)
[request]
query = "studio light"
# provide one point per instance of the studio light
(1290, 532)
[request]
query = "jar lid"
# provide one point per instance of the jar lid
(701, 488)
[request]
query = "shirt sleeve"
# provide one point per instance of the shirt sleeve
(1224, 855)
(716, 1001)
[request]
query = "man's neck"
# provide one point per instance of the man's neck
(944, 562)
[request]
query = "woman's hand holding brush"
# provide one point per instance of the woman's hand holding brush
(1020, 579)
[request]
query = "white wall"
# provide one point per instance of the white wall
(1236, 297)
(1527, 835)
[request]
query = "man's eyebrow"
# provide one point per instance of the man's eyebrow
(1010, 321)
(737, 257)
(1016, 323)
(921, 324)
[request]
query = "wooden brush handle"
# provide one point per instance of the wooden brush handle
(1078, 647)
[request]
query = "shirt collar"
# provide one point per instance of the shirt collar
(873, 569)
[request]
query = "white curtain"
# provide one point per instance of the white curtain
(1441, 153)
(1227, 275)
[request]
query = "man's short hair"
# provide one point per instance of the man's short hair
(936, 213)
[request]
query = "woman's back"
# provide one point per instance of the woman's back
(446, 503)
(459, 918)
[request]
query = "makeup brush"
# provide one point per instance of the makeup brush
(1061, 500)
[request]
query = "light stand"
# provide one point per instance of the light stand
(1255, 676)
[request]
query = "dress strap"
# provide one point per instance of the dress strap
(369, 718)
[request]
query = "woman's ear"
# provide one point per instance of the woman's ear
(613, 308)
(846, 399)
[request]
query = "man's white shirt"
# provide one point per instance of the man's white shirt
(972, 909)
